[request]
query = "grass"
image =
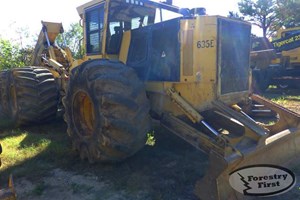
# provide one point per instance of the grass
(33, 150)
(78, 188)
(16, 152)
(150, 139)
(39, 189)
(290, 99)
(280, 100)
(285, 98)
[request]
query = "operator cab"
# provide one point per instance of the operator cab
(122, 16)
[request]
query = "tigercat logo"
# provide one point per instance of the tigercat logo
(262, 180)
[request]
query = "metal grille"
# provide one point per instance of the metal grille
(233, 54)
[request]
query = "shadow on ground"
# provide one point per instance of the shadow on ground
(167, 170)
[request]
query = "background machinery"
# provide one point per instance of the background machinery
(146, 60)
(277, 62)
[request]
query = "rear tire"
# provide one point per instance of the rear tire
(5, 121)
(31, 95)
(106, 110)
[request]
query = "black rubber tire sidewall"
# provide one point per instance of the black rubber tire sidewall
(102, 146)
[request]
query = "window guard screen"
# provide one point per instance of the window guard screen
(94, 29)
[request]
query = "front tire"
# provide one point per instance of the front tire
(106, 110)
(5, 121)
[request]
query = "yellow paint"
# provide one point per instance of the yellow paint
(82, 8)
(52, 53)
(83, 108)
(293, 54)
(184, 105)
(199, 89)
(54, 73)
(69, 55)
(187, 55)
(125, 46)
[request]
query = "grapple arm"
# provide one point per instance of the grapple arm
(240, 142)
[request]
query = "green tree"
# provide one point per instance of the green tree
(12, 56)
(73, 36)
(262, 13)
(288, 13)
(235, 15)
(25, 55)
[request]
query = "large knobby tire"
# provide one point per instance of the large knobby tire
(4, 119)
(30, 96)
(106, 110)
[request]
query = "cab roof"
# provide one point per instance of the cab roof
(80, 9)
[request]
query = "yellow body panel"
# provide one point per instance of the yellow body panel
(125, 46)
(187, 49)
(274, 61)
(293, 54)
(206, 58)
(193, 66)
(76, 63)
(54, 73)
(82, 8)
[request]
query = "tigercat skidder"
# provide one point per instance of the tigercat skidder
(146, 60)
(277, 62)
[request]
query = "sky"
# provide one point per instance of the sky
(16, 16)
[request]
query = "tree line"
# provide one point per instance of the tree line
(269, 15)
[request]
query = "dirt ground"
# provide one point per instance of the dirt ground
(166, 171)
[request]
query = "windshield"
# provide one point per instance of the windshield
(290, 32)
(126, 15)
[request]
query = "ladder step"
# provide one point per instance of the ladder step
(258, 106)
(261, 111)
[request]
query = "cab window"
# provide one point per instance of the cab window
(94, 29)
(127, 15)
(124, 16)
